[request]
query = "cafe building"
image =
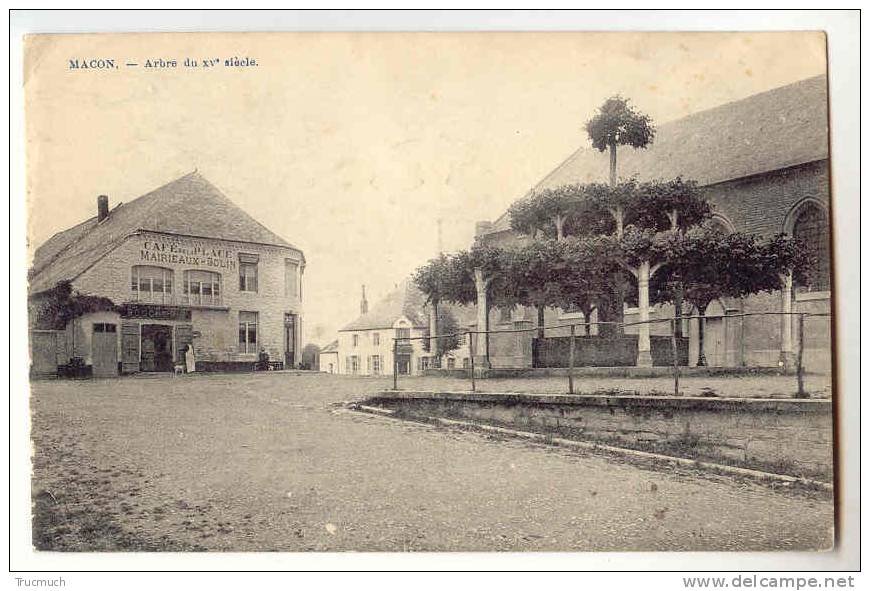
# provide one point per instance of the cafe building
(130, 289)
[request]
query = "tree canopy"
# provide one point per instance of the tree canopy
(618, 123)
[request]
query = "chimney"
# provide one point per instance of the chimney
(363, 304)
(102, 207)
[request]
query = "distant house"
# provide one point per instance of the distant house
(763, 163)
(366, 345)
(179, 266)
(328, 361)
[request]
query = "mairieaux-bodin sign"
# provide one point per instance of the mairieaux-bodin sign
(179, 253)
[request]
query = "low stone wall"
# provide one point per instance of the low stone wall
(596, 351)
(604, 372)
(791, 437)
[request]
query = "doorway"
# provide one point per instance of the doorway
(156, 347)
(104, 350)
(403, 364)
(289, 341)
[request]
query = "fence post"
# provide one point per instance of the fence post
(471, 357)
(675, 357)
(395, 363)
(571, 363)
(801, 392)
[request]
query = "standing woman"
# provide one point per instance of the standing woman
(190, 359)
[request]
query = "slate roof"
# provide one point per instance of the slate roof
(189, 206)
(330, 348)
(769, 131)
(406, 300)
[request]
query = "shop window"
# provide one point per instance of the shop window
(202, 288)
(248, 272)
(811, 231)
(151, 284)
(248, 332)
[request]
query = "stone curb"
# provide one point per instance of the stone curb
(720, 468)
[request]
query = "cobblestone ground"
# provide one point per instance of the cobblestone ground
(269, 462)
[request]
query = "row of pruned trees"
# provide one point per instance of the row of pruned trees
(593, 246)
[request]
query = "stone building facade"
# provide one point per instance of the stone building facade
(181, 266)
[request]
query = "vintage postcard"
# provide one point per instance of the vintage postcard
(430, 292)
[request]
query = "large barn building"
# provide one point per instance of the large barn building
(763, 164)
(131, 288)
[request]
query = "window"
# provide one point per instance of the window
(352, 364)
(375, 365)
(248, 272)
(404, 335)
(355, 339)
(376, 338)
(466, 363)
(151, 284)
(451, 363)
(202, 288)
(422, 363)
(104, 327)
(811, 231)
(291, 278)
(248, 332)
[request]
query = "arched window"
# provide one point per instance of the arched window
(151, 284)
(720, 223)
(202, 288)
(811, 231)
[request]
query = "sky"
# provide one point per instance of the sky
(352, 145)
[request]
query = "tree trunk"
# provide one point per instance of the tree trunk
(613, 164)
(702, 357)
(560, 224)
(488, 307)
(587, 320)
(678, 314)
(433, 332)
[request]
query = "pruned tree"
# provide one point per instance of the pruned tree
(707, 264)
(615, 124)
(546, 211)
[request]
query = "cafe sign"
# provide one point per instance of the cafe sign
(155, 312)
(199, 254)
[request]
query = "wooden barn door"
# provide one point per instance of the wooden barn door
(104, 350)
(129, 347)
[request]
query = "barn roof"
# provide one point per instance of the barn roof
(776, 129)
(188, 206)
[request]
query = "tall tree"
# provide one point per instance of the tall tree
(615, 124)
